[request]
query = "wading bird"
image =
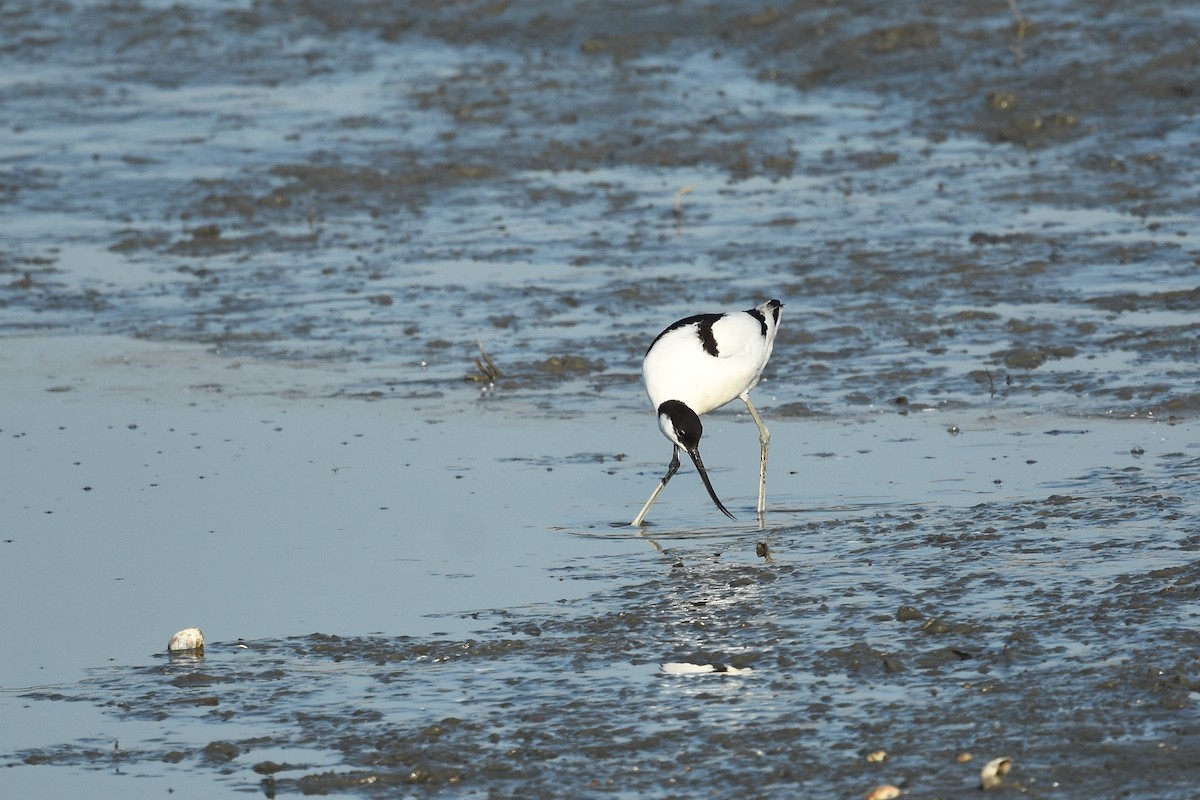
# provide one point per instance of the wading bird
(699, 364)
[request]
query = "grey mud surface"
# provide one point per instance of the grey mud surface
(963, 209)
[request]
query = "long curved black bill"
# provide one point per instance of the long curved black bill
(695, 454)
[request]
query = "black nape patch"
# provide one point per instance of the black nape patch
(776, 306)
(762, 320)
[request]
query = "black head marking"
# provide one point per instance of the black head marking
(685, 422)
(704, 325)
(775, 307)
(687, 427)
(762, 320)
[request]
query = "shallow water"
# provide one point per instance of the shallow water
(249, 252)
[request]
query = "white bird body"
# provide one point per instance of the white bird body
(678, 367)
(699, 364)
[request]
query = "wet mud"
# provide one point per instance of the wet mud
(957, 203)
(963, 206)
(1051, 632)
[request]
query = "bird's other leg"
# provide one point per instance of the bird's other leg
(672, 468)
(764, 443)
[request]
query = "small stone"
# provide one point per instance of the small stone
(188, 640)
(221, 752)
(1001, 101)
(883, 792)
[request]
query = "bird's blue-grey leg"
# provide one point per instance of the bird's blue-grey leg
(764, 443)
(672, 468)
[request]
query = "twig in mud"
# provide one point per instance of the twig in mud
(488, 371)
(1022, 27)
(679, 199)
(991, 383)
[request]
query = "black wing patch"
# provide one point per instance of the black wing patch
(704, 329)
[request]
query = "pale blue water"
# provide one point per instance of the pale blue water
(981, 398)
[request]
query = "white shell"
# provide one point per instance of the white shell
(187, 640)
(993, 772)
(684, 668)
(884, 792)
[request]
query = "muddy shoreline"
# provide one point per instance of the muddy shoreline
(964, 204)
(249, 252)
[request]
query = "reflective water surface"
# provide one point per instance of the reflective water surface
(250, 253)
